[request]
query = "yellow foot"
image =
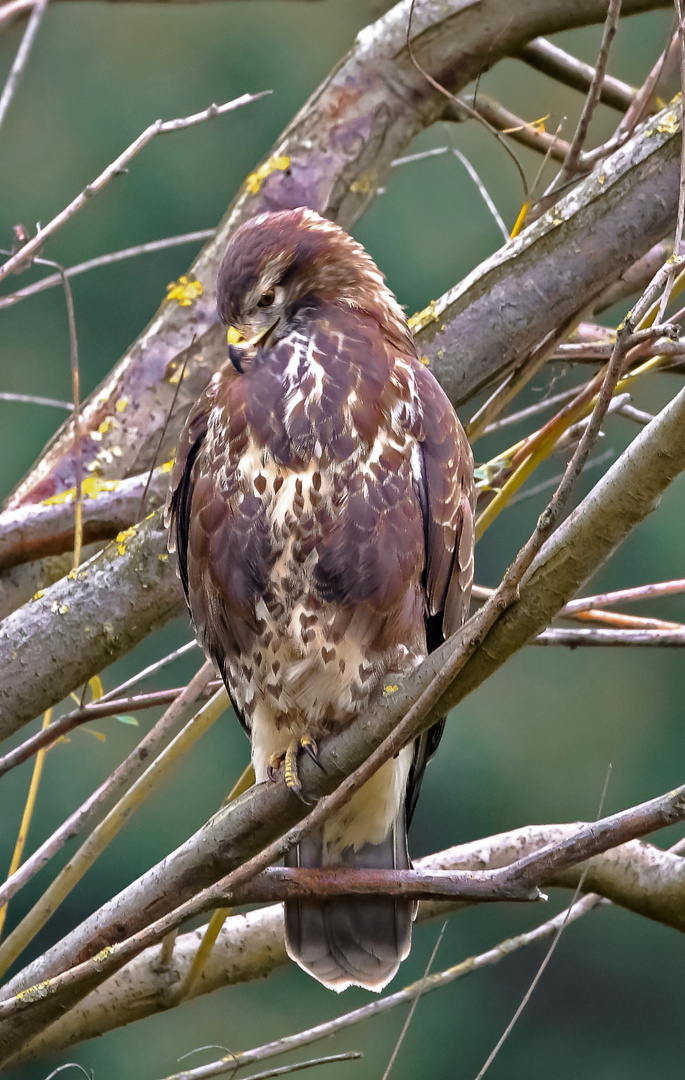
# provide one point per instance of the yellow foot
(289, 762)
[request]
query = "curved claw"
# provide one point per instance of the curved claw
(308, 744)
(297, 790)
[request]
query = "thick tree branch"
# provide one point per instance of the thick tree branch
(47, 528)
(84, 622)
(332, 157)
(636, 875)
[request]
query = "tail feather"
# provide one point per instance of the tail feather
(355, 940)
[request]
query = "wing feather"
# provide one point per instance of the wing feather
(445, 490)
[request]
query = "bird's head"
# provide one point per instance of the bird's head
(279, 264)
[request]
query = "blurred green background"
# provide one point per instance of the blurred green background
(534, 743)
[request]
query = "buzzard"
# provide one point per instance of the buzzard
(322, 509)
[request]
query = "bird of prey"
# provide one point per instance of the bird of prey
(322, 508)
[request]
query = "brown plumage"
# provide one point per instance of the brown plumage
(322, 509)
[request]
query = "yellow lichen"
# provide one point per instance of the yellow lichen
(276, 163)
(91, 486)
(391, 688)
(669, 124)
(175, 376)
(424, 360)
(362, 186)
(423, 318)
(163, 557)
(34, 993)
(37, 595)
(184, 290)
(122, 537)
(121, 404)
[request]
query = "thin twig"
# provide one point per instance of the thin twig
(439, 151)
(151, 669)
(574, 639)
(18, 853)
(110, 259)
(159, 127)
(228, 1065)
(407, 1022)
(32, 399)
(76, 411)
(485, 195)
(570, 166)
(619, 596)
(98, 710)
(462, 104)
(165, 425)
(532, 410)
(545, 485)
(546, 959)
(21, 58)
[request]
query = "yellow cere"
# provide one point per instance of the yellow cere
(233, 336)
(91, 486)
(184, 290)
(276, 163)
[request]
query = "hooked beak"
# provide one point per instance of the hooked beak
(238, 346)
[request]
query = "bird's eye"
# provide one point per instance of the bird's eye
(267, 298)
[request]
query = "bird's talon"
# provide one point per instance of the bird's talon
(308, 744)
(275, 762)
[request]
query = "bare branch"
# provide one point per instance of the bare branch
(507, 122)
(22, 258)
(636, 875)
(147, 248)
(20, 60)
(560, 65)
(621, 638)
(639, 592)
